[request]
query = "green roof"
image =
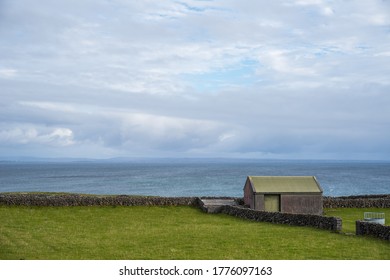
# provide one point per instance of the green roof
(285, 184)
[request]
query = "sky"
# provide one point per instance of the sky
(297, 79)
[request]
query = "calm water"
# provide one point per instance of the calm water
(188, 177)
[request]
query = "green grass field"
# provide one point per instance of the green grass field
(170, 233)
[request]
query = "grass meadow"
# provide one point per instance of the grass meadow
(100, 233)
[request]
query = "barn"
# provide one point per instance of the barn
(287, 194)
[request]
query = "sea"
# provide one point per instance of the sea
(188, 177)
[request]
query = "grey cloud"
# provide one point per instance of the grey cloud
(108, 78)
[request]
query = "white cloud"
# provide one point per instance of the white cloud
(328, 11)
(284, 62)
(53, 106)
(226, 136)
(209, 77)
(29, 134)
(8, 73)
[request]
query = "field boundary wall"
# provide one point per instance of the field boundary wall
(68, 199)
(321, 222)
(373, 229)
(91, 200)
(358, 201)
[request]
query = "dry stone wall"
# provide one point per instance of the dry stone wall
(372, 229)
(328, 223)
(90, 200)
(368, 201)
(362, 201)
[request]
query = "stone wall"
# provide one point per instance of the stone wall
(31, 199)
(362, 201)
(328, 223)
(368, 201)
(372, 229)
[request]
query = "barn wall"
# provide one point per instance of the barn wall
(248, 194)
(301, 203)
(259, 202)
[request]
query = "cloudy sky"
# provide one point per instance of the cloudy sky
(195, 78)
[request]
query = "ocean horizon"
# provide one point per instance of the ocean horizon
(186, 176)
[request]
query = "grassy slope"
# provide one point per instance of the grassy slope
(166, 233)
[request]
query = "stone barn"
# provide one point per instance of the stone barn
(287, 194)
